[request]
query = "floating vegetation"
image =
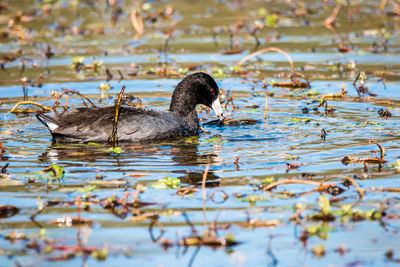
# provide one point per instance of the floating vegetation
(367, 160)
(167, 183)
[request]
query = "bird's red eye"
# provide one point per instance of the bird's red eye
(212, 91)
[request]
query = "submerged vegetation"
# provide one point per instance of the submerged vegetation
(304, 171)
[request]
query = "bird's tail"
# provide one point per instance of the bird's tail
(50, 122)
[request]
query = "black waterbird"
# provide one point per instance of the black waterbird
(136, 124)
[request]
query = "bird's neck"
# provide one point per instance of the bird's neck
(185, 108)
(188, 114)
(193, 121)
(182, 104)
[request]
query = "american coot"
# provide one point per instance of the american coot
(139, 124)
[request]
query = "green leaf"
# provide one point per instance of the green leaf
(253, 198)
(320, 230)
(271, 21)
(117, 150)
(87, 189)
(324, 204)
(291, 157)
(105, 86)
(192, 139)
(268, 180)
(313, 229)
(146, 6)
(395, 165)
(183, 70)
(346, 208)
(311, 92)
(218, 73)
(51, 173)
(262, 11)
(230, 237)
(373, 214)
(58, 171)
(100, 255)
(235, 68)
(214, 140)
(93, 144)
(167, 183)
(304, 120)
(113, 150)
(78, 60)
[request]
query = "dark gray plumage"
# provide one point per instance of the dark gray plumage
(139, 124)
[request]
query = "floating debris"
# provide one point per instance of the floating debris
(384, 113)
(7, 211)
(367, 160)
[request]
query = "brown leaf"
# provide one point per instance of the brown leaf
(186, 191)
(231, 52)
(137, 175)
(145, 216)
(62, 257)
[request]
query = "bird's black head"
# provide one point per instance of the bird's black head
(197, 88)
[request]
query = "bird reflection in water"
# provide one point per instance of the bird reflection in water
(173, 156)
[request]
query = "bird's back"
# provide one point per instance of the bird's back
(134, 125)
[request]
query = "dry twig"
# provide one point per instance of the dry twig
(268, 49)
(137, 22)
(2, 148)
(15, 110)
(114, 137)
(328, 22)
(320, 186)
(67, 92)
(203, 189)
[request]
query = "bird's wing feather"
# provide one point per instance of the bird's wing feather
(134, 124)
